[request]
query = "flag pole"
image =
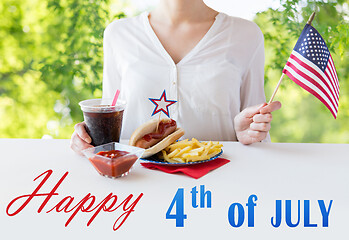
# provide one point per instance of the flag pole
(311, 18)
(157, 125)
(276, 89)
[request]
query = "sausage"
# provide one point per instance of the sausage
(165, 128)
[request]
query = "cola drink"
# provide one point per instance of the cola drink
(103, 121)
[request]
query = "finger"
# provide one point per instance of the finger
(271, 107)
(81, 144)
(77, 144)
(81, 131)
(76, 149)
(257, 135)
(251, 111)
(260, 118)
(79, 150)
(261, 127)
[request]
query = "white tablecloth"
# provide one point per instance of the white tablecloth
(270, 171)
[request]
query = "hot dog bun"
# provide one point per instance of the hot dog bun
(150, 127)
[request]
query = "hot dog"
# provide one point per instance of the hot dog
(165, 128)
(154, 140)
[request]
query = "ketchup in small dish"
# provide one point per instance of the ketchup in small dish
(113, 159)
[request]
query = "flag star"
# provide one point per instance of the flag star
(162, 104)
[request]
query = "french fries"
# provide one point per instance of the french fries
(190, 151)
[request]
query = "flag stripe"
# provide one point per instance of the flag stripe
(334, 77)
(309, 84)
(288, 70)
(302, 69)
(330, 76)
(312, 68)
(333, 69)
(315, 84)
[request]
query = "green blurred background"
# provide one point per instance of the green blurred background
(51, 57)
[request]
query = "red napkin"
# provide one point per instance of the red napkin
(192, 170)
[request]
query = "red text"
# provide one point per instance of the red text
(87, 204)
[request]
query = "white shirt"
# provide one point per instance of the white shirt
(219, 77)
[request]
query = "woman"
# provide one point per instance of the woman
(210, 63)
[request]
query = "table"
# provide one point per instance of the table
(271, 171)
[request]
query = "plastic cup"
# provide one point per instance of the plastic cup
(103, 121)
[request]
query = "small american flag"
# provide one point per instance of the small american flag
(311, 67)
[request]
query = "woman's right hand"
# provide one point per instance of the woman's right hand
(80, 139)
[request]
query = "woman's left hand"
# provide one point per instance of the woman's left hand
(253, 123)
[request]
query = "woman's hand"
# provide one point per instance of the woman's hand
(253, 123)
(80, 139)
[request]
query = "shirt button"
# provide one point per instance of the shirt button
(174, 83)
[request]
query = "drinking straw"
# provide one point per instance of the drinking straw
(115, 97)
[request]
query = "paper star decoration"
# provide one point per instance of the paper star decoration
(162, 104)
